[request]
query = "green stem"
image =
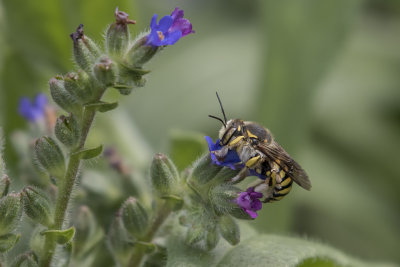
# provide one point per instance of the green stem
(139, 251)
(65, 188)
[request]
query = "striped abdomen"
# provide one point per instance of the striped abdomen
(279, 180)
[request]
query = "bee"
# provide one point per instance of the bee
(260, 156)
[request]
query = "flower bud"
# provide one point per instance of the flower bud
(67, 130)
(61, 96)
(195, 234)
(10, 213)
(50, 157)
(117, 34)
(26, 260)
(212, 238)
(86, 51)
(164, 175)
(223, 198)
(204, 170)
(135, 217)
(119, 240)
(4, 185)
(88, 233)
(37, 205)
(8, 241)
(229, 229)
(140, 53)
(105, 71)
(79, 86)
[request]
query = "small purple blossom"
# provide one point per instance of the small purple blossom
(33, 110)
(180, 23)
(231, 159)
(169, 29)
(249, 202)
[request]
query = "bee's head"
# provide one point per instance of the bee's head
(232, 128)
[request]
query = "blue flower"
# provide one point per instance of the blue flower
(169, 29)
(33, 111)
(231, 159)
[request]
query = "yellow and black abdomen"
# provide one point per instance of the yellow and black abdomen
(280, 181)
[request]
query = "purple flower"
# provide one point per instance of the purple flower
(33, 111)
(169, 29)
(231, 159)
(180, 23)
(249, 202)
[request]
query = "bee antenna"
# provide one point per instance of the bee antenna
(211, 116)
(222, 108)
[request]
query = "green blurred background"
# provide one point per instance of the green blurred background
(323, 76)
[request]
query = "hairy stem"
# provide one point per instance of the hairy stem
(66, 186)
(139, 251)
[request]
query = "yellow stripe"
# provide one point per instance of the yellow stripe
(251, 162)
(236, 140)
(282, 174)
(278, 198)
(238, 128)
(285, 191)
(286, 182)
(251, 135)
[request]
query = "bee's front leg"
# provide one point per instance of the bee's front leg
(221, 154)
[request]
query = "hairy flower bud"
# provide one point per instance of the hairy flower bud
(223, 198)
(204, 170)
(229, 230)
(8, 241)
(79, 86)
(195, 234)
(105, 71)
(4, 185)
(140, 53)
(86, 51)
(117, 34)
(28, 259)
(10, 213)
(212, 238)
(164, 175)
(50, 157)
(61, 96)
(37, 205)
(88, 233)
(135, 217)
(119, 241)
(67, 130)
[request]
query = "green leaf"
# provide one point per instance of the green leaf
(8, 241)
(89, 153)
(102, 106)
(259, 250)
(186, 147)
(61, 236)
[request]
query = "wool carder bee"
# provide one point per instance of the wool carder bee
(260, 155)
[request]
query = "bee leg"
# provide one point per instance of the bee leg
(220, 154)
(240, 176)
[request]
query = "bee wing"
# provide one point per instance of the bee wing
(276, 153)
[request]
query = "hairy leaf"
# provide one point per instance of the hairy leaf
(259, 250)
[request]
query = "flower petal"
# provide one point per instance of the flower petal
(172, 37)
(252, 214)
(153, 22)
(165, 23)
